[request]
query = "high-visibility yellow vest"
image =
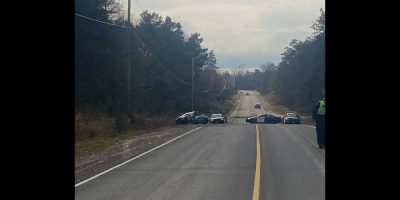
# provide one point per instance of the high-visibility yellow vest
(321, 109)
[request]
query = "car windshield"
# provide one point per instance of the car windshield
(216, 115)
(292, 115)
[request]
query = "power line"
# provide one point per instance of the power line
(163, 66)
(212, 82)
(85, 17)
(222, 89)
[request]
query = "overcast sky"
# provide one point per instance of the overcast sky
(241, 32)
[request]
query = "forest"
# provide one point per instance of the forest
(298, 81)
(125, 72)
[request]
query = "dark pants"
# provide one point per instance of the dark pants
(320, 126)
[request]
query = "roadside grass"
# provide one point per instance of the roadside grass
(101, 142)
(235, 102)
(95, 132)
(272, 101)
(89, 125)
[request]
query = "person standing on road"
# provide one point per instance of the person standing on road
(318, 115)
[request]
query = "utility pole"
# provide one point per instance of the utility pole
(129, 59)
(192, 81)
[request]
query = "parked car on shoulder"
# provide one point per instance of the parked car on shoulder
(217, 118)
(291, 118)
(193, 117)
(200, 118)
(184, 119)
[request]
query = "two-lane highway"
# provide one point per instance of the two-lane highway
(219, 162)
(245, 107)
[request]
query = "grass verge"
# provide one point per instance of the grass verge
(235, 99)
(95, 132)
(101, 142)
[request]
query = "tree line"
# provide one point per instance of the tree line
(298, 80)
(160, 76)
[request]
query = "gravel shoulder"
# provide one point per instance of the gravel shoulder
(87, 166)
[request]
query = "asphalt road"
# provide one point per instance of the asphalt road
(246, 104)
(220, 161)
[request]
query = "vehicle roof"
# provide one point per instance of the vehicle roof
(292, 115)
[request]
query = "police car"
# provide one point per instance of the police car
(264, 118)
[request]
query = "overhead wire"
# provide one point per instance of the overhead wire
(138, 37)
(162, 65)
(89, 18)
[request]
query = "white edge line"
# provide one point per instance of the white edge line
(310, 125)
(95, 176)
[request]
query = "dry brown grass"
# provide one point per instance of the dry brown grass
(152, 121)
(91, 125)
(234, 102)
(272, 102)
(95, 132)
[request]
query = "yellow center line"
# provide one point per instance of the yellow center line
(256, 191)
